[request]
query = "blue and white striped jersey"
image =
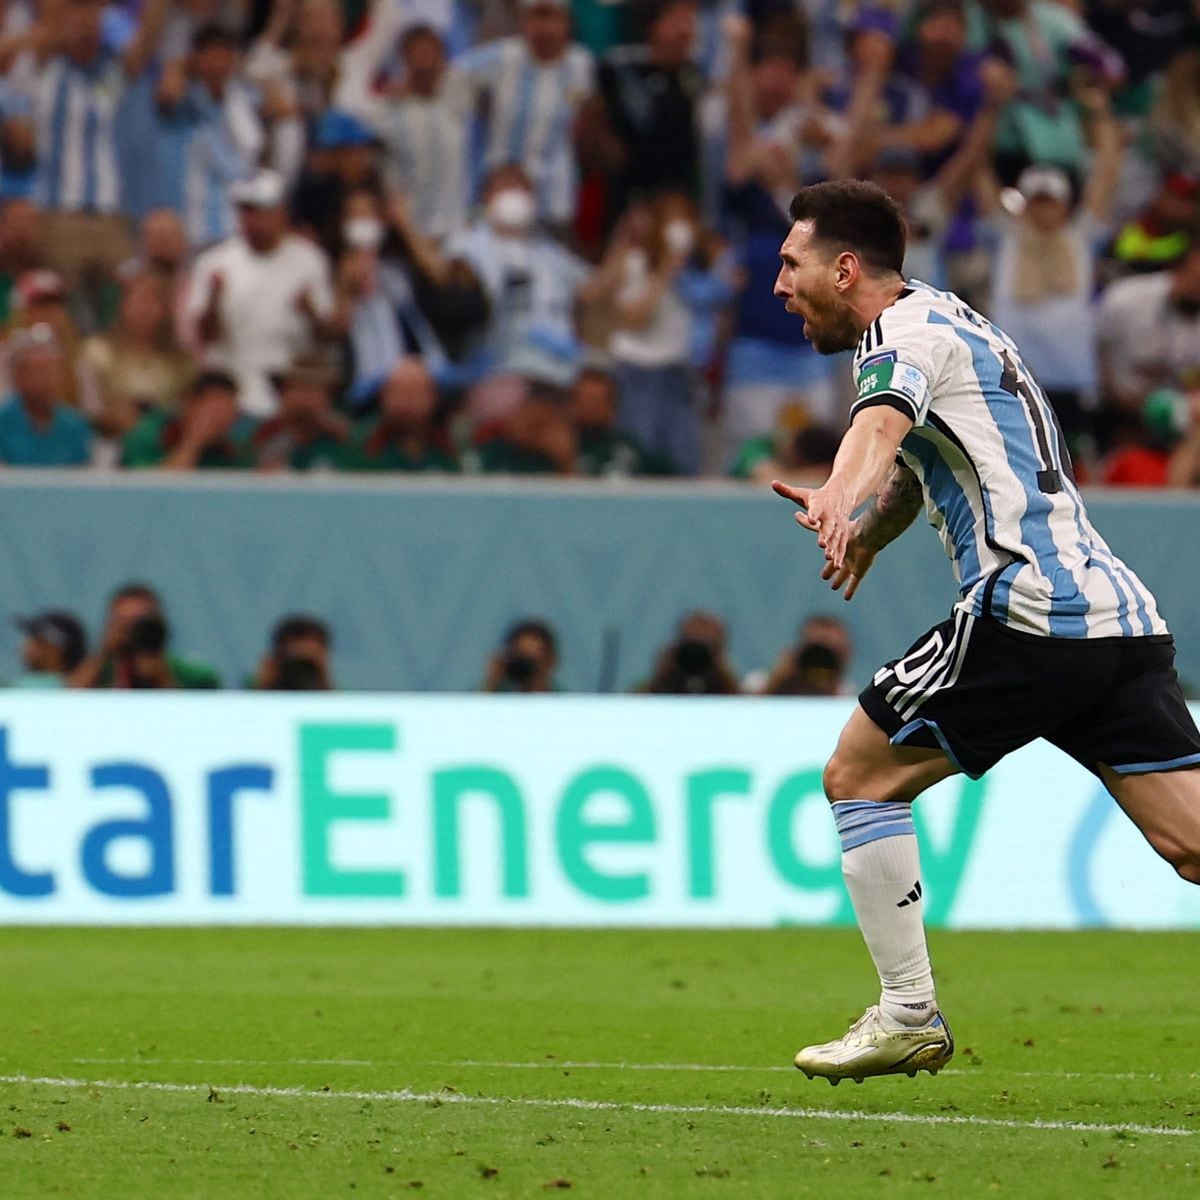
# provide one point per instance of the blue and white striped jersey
(76, 111)
(997, 478)
(531, 109)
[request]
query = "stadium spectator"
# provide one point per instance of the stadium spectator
(261, 298)
(1047, 43)
(1138, 454)
(208, 432)
(41, 298)
(22, 247)
(1159, 234)
(696, 663)
(164, 250)
(370, 295)
(80, 86)
(815, 664)
(1148, 330)
(1044, 276)
(603, 450)
(37, 427)
(343, 158)
(649, 97)
(299, 657)
(804, 453)
(134, 650)
(405, 436)
(528, 89)
(532, 286)
(53, 645)
(306, 434)
(423, 133)
(525, 661)
(666, 283)
(297, 58)
(536, 438)
(138, 365)
(1183, 467)
(225, 132)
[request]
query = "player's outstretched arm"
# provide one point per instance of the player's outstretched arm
(864, 461)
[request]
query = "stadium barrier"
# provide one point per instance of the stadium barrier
(126, 808)
(419, 577)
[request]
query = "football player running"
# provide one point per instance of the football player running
(1052, 636)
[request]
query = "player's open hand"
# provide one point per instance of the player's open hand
(823, 511)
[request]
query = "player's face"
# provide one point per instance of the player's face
(807, 283)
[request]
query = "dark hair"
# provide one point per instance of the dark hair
(420, 33)
(135, 591)
(538, 628)
(213, 34)
(212, 379)
(598, 375)
(854, 215)
(299, 625)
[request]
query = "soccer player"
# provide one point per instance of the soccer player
(1053, 636)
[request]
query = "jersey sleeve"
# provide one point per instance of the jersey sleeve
(894, 366)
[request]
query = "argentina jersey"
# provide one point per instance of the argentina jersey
(997, 478)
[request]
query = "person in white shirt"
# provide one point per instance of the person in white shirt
(259, 300)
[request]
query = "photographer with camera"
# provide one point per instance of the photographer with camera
(134, 650)
(525, 661)
(696, 663)
(815, 664)
(298, 660)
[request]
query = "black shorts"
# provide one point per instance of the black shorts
(979, 690)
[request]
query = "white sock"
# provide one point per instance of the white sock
(882, 868)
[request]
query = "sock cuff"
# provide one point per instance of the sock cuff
(863, 821)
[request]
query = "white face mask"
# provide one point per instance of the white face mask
(679, 236)
(363, 233)
(512, 208)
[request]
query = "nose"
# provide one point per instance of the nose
(781, 289)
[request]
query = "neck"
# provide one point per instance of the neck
(874, 296)
(40, 413)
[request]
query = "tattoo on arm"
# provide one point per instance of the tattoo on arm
(896, 507)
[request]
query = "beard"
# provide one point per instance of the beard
(832, 328)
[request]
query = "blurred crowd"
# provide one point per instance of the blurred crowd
(135, 650)
(540, 236)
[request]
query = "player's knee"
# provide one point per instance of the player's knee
(1183, 857)
(842, 780)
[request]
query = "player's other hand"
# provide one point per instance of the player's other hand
(850, 574)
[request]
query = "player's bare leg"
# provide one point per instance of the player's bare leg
(871, 785)
(1165, 806)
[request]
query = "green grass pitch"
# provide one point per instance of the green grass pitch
(613, 1064)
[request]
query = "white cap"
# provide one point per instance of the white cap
(1045, 181)
(264, 190)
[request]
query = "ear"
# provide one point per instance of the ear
(847, 270)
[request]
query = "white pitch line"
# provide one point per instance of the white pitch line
(407, 1096)
(563, 1064)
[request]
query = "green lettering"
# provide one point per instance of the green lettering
(449, 788)
(703, 790)
(943, 868)
(802, 788)
(321, 808)
(576, 832)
